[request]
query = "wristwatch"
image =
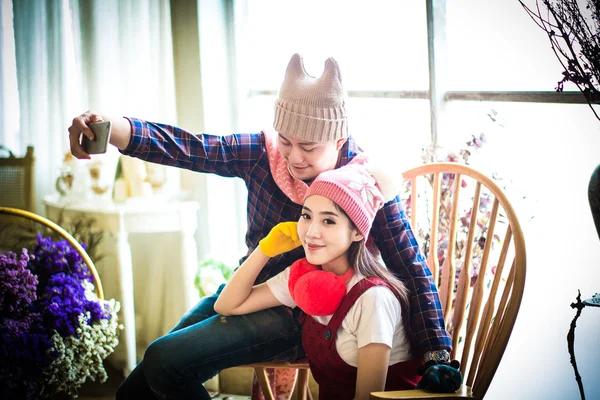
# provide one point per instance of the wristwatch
(437, 356)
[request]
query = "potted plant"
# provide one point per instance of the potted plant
(211, 274)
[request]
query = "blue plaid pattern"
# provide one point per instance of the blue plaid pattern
(245, 156)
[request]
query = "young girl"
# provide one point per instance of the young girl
(354, 334)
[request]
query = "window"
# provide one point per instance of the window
(9, 96)
(382, 47)
(496, 46)
(378, 65)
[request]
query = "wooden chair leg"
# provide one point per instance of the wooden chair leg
(308, 386)
(263, 381)
(302, 385)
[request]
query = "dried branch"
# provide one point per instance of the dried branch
(571, 342)
(574, 36)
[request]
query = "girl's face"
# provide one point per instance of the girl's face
(306, 160)
(326, 234)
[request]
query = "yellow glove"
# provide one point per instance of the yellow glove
(282, 238)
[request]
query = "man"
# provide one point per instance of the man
(311, 136)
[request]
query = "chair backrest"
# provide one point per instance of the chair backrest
(16, 180)
(476, 252)
(20, 227)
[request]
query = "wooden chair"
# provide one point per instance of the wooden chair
(302, 389)
(467, 225)
(16, 180)
(23, 226)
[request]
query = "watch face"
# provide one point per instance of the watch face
(439, 356)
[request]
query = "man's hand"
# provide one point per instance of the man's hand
(282, 238)
(80, 126)
(441, 378)
(119, 137)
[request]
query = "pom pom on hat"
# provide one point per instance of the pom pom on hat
(389, 184)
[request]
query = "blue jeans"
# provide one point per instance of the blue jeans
(203, 343)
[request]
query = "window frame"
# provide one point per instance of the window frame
(438, 96)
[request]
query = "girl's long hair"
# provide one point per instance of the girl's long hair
(367, 264)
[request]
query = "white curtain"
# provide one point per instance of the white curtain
(111, 56)
(126, 55)
(115, 57)
(3, 41)
(40, 54)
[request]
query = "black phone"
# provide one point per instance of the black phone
(101, 137)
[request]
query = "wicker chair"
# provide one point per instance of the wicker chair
(16, 180)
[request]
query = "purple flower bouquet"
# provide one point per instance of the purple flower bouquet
(54, 331)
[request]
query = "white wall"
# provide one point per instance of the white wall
(554, 152)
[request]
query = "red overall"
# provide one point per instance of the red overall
(336, 379)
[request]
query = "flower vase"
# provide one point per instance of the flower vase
(594, 197)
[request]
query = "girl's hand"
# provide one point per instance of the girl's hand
(282, 238)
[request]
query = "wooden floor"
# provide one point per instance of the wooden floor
(107, 390)
(102, 391)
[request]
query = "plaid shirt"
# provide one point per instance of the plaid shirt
(245, 156)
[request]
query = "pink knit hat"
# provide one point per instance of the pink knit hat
(311, 109)
(355, 190)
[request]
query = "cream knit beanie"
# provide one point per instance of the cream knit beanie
(311, 109)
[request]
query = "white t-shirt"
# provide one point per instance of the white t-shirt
(374, 318)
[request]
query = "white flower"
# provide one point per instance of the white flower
(81, 355)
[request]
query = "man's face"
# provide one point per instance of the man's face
(306, 160)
